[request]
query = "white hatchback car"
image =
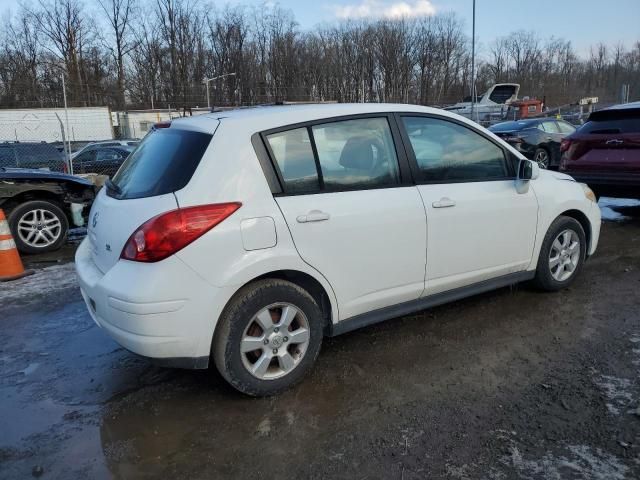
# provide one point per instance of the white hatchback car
(244, 237)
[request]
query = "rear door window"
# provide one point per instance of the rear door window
(566, 127)
(110, 154)
(86, 156)
(164, 162)
(356, 154)
(550, 127)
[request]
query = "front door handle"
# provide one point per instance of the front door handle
(313, 216)
(444, 202)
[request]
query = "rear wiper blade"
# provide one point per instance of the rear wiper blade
(112, 186)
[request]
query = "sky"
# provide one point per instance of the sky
(584, 22)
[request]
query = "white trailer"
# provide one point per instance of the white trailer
(50, 124)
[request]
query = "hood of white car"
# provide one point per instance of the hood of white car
(556, 175)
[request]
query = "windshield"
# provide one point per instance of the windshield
(163, 163)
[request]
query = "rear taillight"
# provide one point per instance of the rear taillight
(564, 145)
(164, 235)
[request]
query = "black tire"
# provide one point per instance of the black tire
(542, 157)
(21, 210)
(544, 278)
(238, 315)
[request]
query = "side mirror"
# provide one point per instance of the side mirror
(528, 170)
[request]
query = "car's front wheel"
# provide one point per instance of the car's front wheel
(268, 337)
(562, 254)
(38, 226)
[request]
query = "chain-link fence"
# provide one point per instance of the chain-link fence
(91, 140)
(78, 140)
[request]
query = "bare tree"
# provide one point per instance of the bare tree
(120, 44)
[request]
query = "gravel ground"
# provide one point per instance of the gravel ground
(510, 384)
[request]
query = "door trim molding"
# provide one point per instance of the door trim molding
(386, 313)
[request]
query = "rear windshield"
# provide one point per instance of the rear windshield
(163, 163)
(623, 125)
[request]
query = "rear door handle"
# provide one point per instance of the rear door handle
(313, 216)
(444, 202)
(614, 141)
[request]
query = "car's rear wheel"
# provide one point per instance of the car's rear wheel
(38, 226)
(542, 158)
(268, 337)
(561, 255)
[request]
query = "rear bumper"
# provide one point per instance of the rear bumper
(163, 311)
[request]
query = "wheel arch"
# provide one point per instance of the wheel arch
(33, 195)
(584, 222)
(304, 280)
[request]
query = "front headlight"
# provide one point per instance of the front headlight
(589, 193)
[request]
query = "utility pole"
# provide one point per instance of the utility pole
(473, 60)
(66, 119)
(207, 80)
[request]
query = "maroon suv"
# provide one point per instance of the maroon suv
(605, 152)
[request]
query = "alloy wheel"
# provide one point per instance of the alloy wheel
(542, 158)
(564, 255)
(39, 228)
(275, 341)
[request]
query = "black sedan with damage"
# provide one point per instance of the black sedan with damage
(537, 139)
(40, 205)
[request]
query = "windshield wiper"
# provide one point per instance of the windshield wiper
(113, 187)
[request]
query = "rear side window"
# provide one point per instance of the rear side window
(623, 125)
(163, 163)
(294, 155)
(550, 127)
(566, 127)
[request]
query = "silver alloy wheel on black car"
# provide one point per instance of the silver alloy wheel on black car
(541, 157)
(38, 226)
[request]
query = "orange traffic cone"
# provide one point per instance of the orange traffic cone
(10, 264)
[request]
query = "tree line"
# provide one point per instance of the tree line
(144, 53)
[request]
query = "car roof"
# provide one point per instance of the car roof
(623, 106)
(617, 112)
(256, 119)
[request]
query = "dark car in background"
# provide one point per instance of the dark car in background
(100, 159)
(538, 139)
(39, 155)
(605, 152)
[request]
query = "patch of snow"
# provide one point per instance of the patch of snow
(44, 281)
(577, 461)
(607, 207)
(617, 392)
